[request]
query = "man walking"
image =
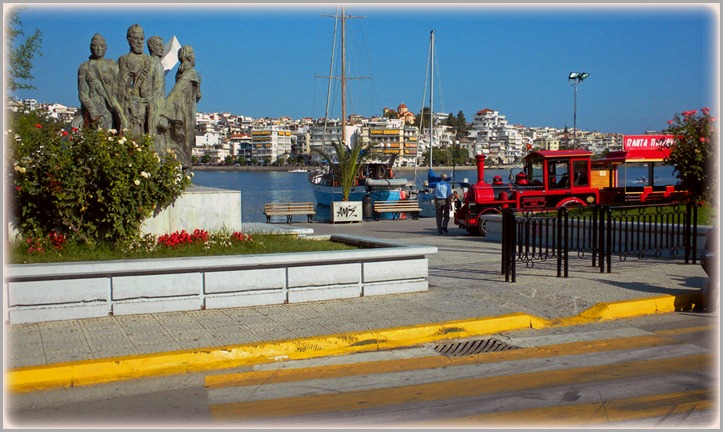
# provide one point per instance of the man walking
(441, 204)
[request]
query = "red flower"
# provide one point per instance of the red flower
(239, 236)
(670, 122)
(57, 239)
(38, 125)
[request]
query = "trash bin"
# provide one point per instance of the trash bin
(367, 207)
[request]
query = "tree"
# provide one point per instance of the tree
(349, 162)
(692, 152)
(461, 124)
(423, 118)
(21, 55)
(451, 121)
(390, 114)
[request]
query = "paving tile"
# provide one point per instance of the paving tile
(17, 360)
(180, 321)
(68, 355)
(219, 326)
(94, 343)
(198, 343)
(114, 351)
(157, 347)
(240, 312)
(156, 333)
(59, 324)
(101, 327)
(25, 331)
(192, 335)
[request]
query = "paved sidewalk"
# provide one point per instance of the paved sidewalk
(465, 286)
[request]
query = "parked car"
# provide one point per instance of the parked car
(710, 263)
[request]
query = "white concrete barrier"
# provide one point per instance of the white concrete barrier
(57, 291)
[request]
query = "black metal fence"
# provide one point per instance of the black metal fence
(597, 232)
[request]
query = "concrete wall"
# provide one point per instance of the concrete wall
(199, 207)
(48, 292)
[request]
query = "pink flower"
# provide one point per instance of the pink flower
(670, 122)
(705, 110)
(703, 139)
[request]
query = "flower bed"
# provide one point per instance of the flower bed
(56, 291)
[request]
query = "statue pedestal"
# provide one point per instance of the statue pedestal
(198, 207)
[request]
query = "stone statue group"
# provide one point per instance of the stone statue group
(130, 93)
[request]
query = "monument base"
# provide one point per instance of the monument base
(199, 207)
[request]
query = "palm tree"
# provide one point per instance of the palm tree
(348, 163)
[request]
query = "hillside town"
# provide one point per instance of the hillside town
(223, 138)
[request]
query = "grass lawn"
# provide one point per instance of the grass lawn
(18, 251)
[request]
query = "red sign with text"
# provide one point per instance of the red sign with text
(647, 147)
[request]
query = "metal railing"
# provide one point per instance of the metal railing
(600, 231)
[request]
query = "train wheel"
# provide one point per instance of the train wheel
(482, 221)
(481, 226)
(571, 202)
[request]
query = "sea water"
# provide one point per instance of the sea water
(260, 187)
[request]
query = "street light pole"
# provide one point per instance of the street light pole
(575, 78)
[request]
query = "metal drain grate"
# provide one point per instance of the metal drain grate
(478, 346)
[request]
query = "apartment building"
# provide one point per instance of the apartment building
(270, 143)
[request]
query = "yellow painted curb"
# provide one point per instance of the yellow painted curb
(87, 372)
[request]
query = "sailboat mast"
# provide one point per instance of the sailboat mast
(431, 96)
(343, 76)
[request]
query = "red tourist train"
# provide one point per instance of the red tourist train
(563, 178)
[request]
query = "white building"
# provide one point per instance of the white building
(495, 138)
(270, 143)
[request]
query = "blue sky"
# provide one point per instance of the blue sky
(646, 62)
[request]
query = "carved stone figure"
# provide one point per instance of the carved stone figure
(158, 78)
(178, 114)
(97, 88)
(137, 86)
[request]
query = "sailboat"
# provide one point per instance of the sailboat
(426, 195)
(374, 180)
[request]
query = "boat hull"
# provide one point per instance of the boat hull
(426, 203)
(325, 195)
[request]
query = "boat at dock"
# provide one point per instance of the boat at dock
(375, 180)
(425, 195)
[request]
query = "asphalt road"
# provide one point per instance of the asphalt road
(652, 371)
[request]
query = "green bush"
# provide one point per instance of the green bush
(89, 185)
(693, 152)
